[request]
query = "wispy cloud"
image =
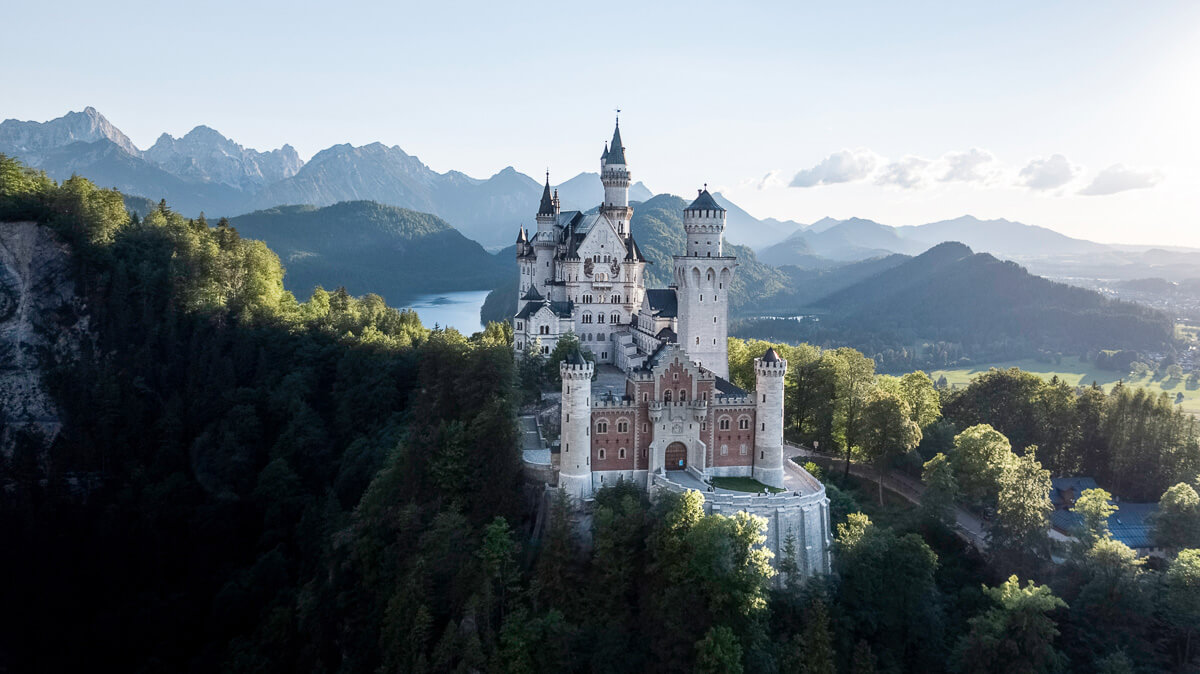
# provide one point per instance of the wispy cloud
(1119, 178)
(1047, 174)
(972, 166)
(840, 167)
(909, 173)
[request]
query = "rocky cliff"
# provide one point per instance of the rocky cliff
(42, 322)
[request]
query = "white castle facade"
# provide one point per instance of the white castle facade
(679, 422)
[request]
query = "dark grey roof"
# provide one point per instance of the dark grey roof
(605, 155)
(560, 309)
(726, 387)
(666, 335)
(704, 202)
(547, 205)
(532, 294)
(632, 252)
(770, 356)
(616, 151)
(521, 236)
(1065, 490)
(663, 302)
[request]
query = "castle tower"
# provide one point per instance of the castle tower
(769, 371)
(546, 241)
(575, 458)
(702, 282)
(614, 174)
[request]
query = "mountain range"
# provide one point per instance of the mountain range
(203, 171)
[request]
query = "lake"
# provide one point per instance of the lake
(458, 310)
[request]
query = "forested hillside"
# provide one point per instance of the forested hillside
(951, 305)
(368, 247)
(244, 481)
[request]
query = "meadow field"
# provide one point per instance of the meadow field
(1080, 373)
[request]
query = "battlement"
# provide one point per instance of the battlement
(764, 368)
(613, 404)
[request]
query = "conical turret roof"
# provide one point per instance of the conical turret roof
(704, 202)
(521, 238)
(771, 356)
(616, 151)
(547, 205)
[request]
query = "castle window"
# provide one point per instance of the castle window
(545, 350)
(744, 424)
(622, 427)
(723, 424)
(587, 299)
(616, 299)
(764, 426)
(544, 330)
(601, 457)
(697, 340)
(587, 317)
(520, 325)
(599, 318)
(645, 397)
(602, 426)
(682, 395)
(621, 453)
(675, 376)
(667, 396)
(724, 450)
(702, 298)
(743, 450)
(645, 428)
(714, 319)
(764, 397)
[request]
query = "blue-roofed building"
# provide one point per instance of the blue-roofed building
(1131, 524)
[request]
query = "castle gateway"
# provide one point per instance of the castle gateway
(677, 421)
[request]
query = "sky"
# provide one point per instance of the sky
(1079, 116)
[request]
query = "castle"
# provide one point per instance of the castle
(677, 422)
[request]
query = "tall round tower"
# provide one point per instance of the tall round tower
(769, 371)
(575, 458)
(546, 241)
(614, 175)
(702, 283)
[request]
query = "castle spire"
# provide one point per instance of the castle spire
(547, 206)
(616, 151)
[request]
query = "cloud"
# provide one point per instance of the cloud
(1119, 178)
(909, 173)
(840, 167)
(771, 179)
(1047, 174)
(972, 166)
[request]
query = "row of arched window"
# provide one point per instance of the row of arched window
(622, 426)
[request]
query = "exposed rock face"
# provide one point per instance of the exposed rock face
(31, 141)
(41, 322)
(207, 156)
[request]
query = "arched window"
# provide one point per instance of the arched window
(616, 299)
(682, 395)
(724, 450)
(743, 423)
(587, 317)
(667, 396)
(615, 318)
(601, 457)
(622, 426)
(711, 276)
(602, 426)
(545, 330)
(645, 397)
(621, 453)
(723, 424)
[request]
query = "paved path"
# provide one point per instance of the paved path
(967, 525)
(531, 441)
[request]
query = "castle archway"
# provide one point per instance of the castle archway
(675, 456)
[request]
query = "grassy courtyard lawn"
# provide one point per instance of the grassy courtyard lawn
(1081, 373)
(747, 484)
